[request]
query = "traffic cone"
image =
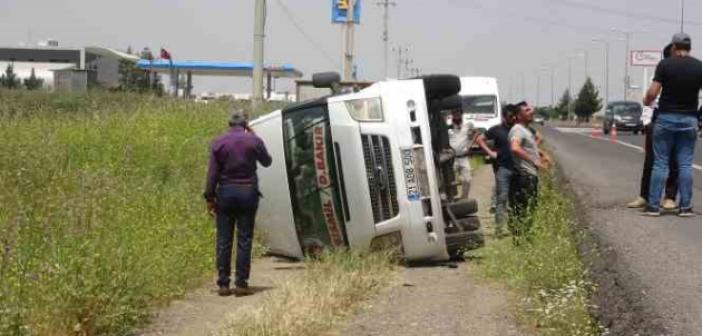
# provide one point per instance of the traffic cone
(596, 132)
(613, 137)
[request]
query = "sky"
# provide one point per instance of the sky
(507, 39)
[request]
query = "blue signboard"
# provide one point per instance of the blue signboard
(339, 8)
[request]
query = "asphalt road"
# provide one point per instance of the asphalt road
(649, 269)
(638, 140)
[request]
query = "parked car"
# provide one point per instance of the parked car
(625, 115)
(539, 119)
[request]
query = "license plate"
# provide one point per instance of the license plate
(410, 175)
(630, 125)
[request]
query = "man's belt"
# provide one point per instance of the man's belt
(461, 156)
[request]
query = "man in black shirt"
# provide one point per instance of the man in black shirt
(671, 184)
(502, 163)
(675, 130)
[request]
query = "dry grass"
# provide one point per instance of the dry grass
(311, 304)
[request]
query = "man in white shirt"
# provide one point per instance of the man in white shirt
(460, 140)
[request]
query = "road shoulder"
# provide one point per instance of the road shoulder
(439, 300)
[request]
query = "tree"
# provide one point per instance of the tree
(133, 79)
(588, 101)
(563, 108)
(33, 83)
(9, 79)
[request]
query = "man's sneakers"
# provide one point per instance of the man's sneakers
(638, 203)
(237, 291)
(669, 205)
(686, 213)
(224, 291)
(650, 212)
(242, 291)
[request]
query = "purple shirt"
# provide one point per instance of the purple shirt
(233, 159)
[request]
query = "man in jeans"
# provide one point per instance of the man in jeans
(502, 163)
(678, 79)
(526, 163)
(232, 197)
(671, 185)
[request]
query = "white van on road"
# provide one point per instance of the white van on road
(481, 102)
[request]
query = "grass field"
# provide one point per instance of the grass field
(101, 213)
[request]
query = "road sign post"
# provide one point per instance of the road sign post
(645, 59)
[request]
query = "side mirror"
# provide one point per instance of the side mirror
(328, 80)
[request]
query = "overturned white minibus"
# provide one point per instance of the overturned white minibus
(364, 168)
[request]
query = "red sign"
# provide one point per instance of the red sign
(320, 160)
(324, 182)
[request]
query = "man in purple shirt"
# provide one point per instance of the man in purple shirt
(232, 197)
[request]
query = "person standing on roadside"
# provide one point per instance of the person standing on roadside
(671, 185)
(501, 157)
(460, 142)
(526, 163)
(232, 197)
(678, 80)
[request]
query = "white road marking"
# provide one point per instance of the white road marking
(584, 132)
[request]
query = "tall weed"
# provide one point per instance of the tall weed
(546, 270)
(101, 212)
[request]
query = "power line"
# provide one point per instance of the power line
(624, 13)
(304, 34)
(542, 21)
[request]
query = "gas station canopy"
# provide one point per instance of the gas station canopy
(217, 68)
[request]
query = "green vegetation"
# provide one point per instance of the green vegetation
(8, 79)
(547, 271)
(314, 302)
(564, 105)
(588, 101)
(101, 213)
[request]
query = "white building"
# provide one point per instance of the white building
(63, 68)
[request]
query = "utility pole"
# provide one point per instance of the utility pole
(606, 69)
(385, 4)
(408, 71)
(682, 16)
(570, 75)
(400, 51)
(627, 80)
(538, 88)
(259, 35)
(553, 76)
(348, 41)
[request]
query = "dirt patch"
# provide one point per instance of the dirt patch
(440, 300)
(202, 312)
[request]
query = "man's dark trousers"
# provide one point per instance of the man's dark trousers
(523, 193)
(671, 185)
(236, 206)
